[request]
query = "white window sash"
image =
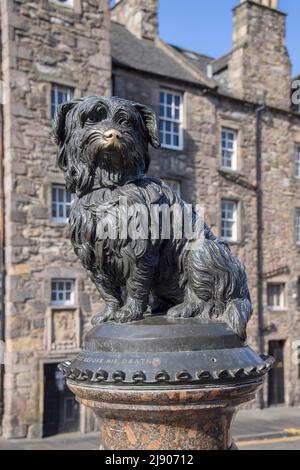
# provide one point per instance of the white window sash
(57, 203)
(56, 89)
(276, 296)
(233, 151)
(55, 289)
(172, 119)
(229, 223)
(67, 3)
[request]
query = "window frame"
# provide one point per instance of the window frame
(64, 302)
(235, 237)
(282, 294)
(172, 120)
(56, 88)
(65, 203)
(65, 4)
(234, 162)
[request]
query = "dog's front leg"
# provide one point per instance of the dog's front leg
(111, 294)
(138, 288)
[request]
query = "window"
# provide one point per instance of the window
(59, 95)
(65, 3)
(229, 220)
(276, 296)
(62, 292)
(229, 149)
(297, 226)
(297, 161)
(61, 203)
(170, 120)
(175, 185)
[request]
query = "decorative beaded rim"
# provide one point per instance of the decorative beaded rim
(164, 377)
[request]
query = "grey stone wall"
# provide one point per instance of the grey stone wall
(42, 44)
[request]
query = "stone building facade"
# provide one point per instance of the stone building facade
(231, 141)
(46, 46)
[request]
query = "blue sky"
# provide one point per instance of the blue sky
(206, 26)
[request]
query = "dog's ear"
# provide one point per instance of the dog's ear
(59, 121)
(150, 121)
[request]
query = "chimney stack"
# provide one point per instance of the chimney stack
(259, 65)
(139, 16)
(265, 3)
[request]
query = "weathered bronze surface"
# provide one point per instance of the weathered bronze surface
(166, 363)
(163, 352)
(103, 153)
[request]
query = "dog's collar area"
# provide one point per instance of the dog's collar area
(99, 187)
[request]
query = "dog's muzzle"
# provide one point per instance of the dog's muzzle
(112, 138)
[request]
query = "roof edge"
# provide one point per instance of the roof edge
(186, 64)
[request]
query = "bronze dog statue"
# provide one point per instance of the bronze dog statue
(103, 152)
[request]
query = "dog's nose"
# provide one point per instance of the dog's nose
(112, 134)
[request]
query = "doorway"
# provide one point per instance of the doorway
(276, 375)
(61, 411)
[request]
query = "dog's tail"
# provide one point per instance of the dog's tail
(220, 279)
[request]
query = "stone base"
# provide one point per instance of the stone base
(186, 419)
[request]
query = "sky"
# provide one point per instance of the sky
(206, 26)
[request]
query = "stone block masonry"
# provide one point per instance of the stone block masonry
(43, 44)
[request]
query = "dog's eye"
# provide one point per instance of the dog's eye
(93, 118)
(96, 116)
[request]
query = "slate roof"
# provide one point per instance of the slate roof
(168, 60)
(146, 56)
(201, 61)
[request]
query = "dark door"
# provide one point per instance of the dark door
(61, 411)
(276, 375)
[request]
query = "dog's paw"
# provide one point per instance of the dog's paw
(106, 315)
(184, 310)
(132, 311)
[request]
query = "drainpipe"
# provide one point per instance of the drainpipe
(260, 241)
(2, 263)
(2, 269)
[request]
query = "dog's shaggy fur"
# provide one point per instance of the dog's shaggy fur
(103, 152)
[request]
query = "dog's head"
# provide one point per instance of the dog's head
(103, 142)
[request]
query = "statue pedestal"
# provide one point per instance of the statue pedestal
(186, 419)
(165, 384)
